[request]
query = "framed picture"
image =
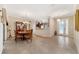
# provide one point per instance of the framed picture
(77, 20)
(40, 25)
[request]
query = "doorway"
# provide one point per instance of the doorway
(62, 26)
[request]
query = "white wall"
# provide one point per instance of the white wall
(1, 31)
(71, 26)
(52, 27)
(1, 37)
(43, 32)
(77, 40)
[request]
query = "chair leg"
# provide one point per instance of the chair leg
(15, 39)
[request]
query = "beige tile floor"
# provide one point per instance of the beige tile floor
(40, 45)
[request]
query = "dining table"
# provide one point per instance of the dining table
(25, 32)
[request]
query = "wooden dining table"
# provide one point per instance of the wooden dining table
(25, 32)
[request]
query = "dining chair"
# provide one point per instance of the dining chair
(18, 36)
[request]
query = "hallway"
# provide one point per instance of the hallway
(42, 45)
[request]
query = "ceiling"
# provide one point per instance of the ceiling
(39, 11)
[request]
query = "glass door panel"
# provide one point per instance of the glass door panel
(62, 26)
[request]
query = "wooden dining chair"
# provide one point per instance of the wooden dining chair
(18, 36)
(28, 35)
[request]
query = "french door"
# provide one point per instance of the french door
(62, 26)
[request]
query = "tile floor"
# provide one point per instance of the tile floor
(40, 45)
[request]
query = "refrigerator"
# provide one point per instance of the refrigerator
(1, 37)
